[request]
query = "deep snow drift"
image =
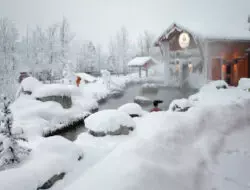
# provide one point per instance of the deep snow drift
(175, 150)
(50, 156)
(170, 149)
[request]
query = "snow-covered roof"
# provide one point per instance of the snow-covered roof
(208, 32)
(86, 77)
(140, 61)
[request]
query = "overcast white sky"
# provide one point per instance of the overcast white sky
(97, 20)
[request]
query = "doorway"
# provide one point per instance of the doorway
(228, 73)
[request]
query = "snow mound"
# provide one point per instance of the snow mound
(30, 84)
(177, 147)
(180, 105)
(109, 121)
(86, 77)
(53, 90)
(131, 109)
(150, 85)
(39, 118)
(216, 92)
(51, 156)
(244, 84)
(214, 85)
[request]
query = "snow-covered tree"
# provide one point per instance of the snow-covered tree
(112, 61)
(10, 150)
(87, 58)
(123, 45)
(66, 37)
(141, 46)
(99, 57)
(8, 56)
(145, 43)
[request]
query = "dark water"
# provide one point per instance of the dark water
(167, 94)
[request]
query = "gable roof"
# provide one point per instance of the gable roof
(140, 61)
(217, 33)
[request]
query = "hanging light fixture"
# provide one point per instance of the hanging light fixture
(190, 66)
(177, 66)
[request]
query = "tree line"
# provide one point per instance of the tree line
(46, 52)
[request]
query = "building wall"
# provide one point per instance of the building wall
(229, 51)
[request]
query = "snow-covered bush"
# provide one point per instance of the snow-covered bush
(109, 122)
(133, 109)
(180, 105)
(10, 151)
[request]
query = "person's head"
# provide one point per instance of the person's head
(155, 104)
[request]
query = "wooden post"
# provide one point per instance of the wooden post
(222, 72)
(166, 61)
(146, 72)
(140, 72)
(207, 63)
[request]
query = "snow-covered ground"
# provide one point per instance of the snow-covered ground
(205, 147)
(38, 118)
(169, 147)
(99, 90)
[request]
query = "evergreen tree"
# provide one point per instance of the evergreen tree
(10, 151)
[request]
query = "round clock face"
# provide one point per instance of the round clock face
(184, 40)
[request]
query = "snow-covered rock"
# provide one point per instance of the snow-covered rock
(180, 105)
(30, 84)
(111, 122)
(59, 93)
(40, 118)
(150, 85)
(52, 90)
(244, 84)
(133, 109)
(27, 86)
(142, 100)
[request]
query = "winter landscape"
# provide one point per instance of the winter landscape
(145, 95)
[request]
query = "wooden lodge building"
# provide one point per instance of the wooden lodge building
(216, 55)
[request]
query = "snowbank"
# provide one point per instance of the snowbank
(180, 105)
(131, 109)
(108, 121)
(142, 100)
(217, 93)
(51, 156)
(39, 118)
(169, 147)
(86, 77)
(244, 84)
(54, 90)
